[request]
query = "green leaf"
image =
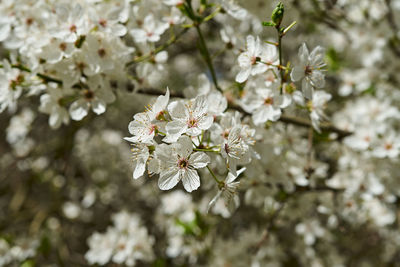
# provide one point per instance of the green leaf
(333, 60)
(268, 24)
(28, 263)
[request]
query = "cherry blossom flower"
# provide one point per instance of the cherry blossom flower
(70, 22)
(51, 103)
(151, 30)
(310, 71)
(144, 126)
(265, 104)
(227, 190)
(95, 98)
(235, 149)
(316, 107)
(11, 80)
(179, 163)
(255, 59)
(389, 146)
(191, 117)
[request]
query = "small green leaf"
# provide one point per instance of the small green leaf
(268, 24)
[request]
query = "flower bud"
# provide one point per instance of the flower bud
(277, 14)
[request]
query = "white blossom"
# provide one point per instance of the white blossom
(310, 70)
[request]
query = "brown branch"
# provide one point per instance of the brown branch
(325, 127)
(308, 189)
(269, 227)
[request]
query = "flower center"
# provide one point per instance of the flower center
(102, 52)
(152, 128)
(192, 122)
(254, 60)
(103, 22)
(225, 134)
(388, 146)
(227, 149)
(88, 94)
(72, 28)
(268, 101)
(63, 46)
(308, 70)
(160, 116)
(29, 21)
(183, 163)
(80, 65)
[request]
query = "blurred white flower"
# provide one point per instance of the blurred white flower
(255, 59)
(151, 30)
(310, 70)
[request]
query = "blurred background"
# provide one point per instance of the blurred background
(59, 187)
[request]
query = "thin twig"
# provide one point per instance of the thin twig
(207, 58)
(162, 47)
(44, 77)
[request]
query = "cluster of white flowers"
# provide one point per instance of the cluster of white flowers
(266, 97)
(172, 139)
(126, 242)
(23, 249)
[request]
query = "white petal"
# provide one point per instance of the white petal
(244, 60)
(230, 178)
(199, 160)
(283, 101)
(191, 180)
(98, 106)
(307, 89)
(205, 122)
(161, 57)
(193, 131)
(79, 109)
(318, 79)
(177, 110)
(303, 53)
(298, 98)
(55, 120)
(243, 75)
(119, 30)
(203, 84)
(132, 139)
(185, 147)
(168, 179)
(4, 31)
(250, 44)
(260, 116)
(200, 105)
(139, 35)
(297, 73)
(140, 166)
(213, 201)
(317, 56)
(176, 128)
(258, 68)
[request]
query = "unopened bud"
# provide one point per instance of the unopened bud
(277, 14)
